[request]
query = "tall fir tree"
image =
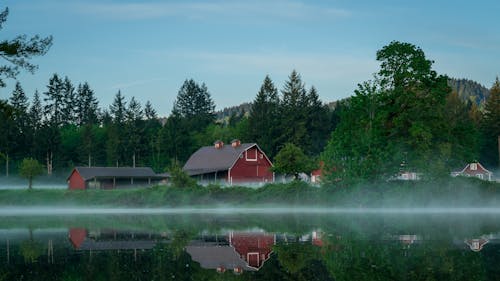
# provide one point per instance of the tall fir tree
(55, 101)
(490, 127)
(116, 144)
(263, 120)
(318, 122)
(87, 106)
(134, 129)
(22, 129)
(293, 112)
(195, 105)
(69, 102)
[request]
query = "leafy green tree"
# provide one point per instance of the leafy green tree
(18, 51)
(263, 121)
(490, 127)
(179, 178)
(29, 169)
(399, 118)
(291, 160)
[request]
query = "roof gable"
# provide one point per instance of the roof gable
(209, 159)
(479, 169)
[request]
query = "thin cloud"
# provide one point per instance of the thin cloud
(254, 10)
(319, 65)
(123, 86)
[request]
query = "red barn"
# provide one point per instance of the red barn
(254, 248)
(110, 177)
(235, 163)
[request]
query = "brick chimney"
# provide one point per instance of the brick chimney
(218, 144)
(235, 143)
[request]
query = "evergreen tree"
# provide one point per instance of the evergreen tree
(36, 112)
(490, 127)
(195, 104)
(7, 125)
(263, 121)
(22, 130)
(318, 122)
(36, 118)
(116, 144)
(293, 112)
(461, 135)
(69, 100)
(54, 109)
(150, 112)
(135, 130)
(118, 109)
(152, 128)
(87, 106)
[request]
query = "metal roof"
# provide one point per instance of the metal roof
(117, 172)
(209, 159)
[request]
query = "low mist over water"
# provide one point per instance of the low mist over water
(58, 211)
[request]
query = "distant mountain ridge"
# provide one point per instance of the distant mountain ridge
(469, 90)
(238, 110)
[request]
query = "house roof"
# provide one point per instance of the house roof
(480, 169)
(209, 159)
(119, 172)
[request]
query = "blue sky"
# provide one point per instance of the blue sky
(148, 48)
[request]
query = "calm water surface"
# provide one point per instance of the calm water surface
(253, 246)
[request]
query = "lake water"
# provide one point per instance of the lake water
(246, 245)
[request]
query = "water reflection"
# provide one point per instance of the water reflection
(286, 247)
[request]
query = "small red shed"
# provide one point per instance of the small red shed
(112, 177)
(235, 163)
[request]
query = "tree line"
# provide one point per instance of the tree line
(64, 125)
(405, 119)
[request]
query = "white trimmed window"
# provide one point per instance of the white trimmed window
(251, 155)
(473, 166)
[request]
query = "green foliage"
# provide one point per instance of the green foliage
(291, 160)
(179, 178)
(18, 51)
(401, 120)
(195, 104)
(29, 169)
(490, 127)
(263, 120)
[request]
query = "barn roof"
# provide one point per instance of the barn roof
(212, 257)
(119, 172)
(209, 159)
